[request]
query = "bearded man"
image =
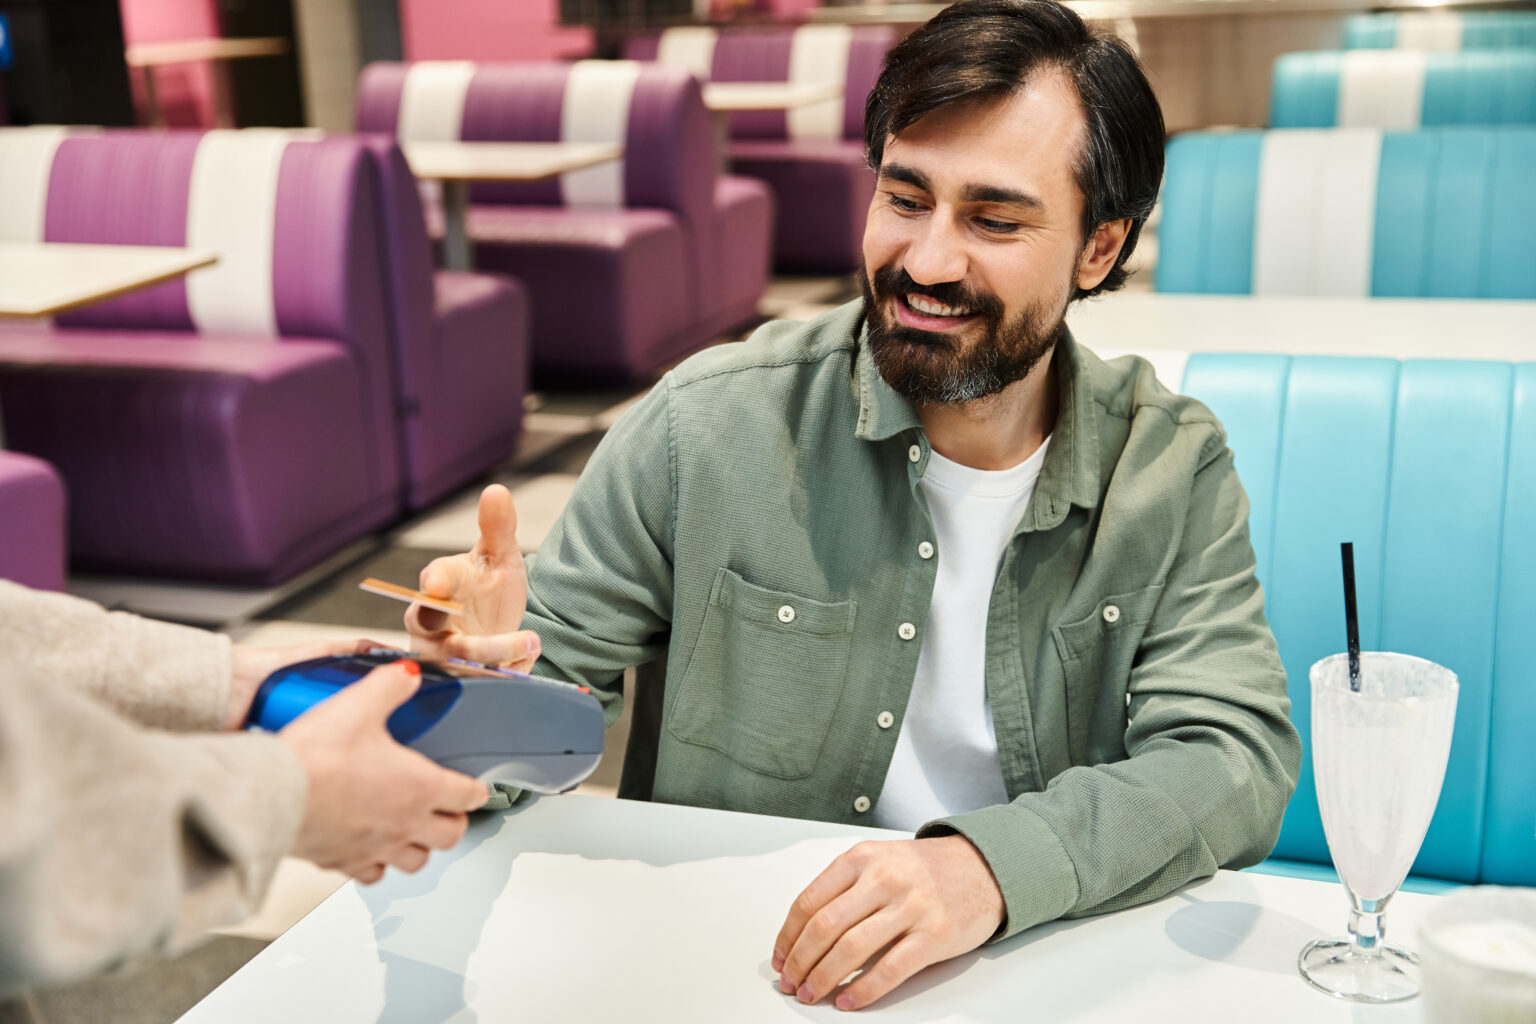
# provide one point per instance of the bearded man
(924, 562)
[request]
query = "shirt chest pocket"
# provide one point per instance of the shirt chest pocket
(1097, 653)
(764, 678)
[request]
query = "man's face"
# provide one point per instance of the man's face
(973, 242)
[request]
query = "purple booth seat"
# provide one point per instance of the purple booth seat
(812, 157)
(31, 522)
(460, 346)
(238, 424)
(629, 264)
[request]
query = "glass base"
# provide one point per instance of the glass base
(1336, 967)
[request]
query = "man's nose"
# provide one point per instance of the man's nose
(937, 254)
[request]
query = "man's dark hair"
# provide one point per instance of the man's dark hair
(979, 49)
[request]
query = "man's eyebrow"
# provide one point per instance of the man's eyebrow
(998, 194)
(905, 175)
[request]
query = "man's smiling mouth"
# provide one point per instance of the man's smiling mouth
(927, 307)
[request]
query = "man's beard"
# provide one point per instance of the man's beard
(928, 367)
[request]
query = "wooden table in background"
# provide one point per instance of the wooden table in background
(149, 56)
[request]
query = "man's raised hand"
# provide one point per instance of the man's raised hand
(491, 583)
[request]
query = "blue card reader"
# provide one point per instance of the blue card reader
(494, 724)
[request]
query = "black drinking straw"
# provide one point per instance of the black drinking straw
(1351, 619)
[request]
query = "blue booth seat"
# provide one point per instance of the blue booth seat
(1438, 213)
(1429, 468)
(1440, 30)
(1403, 89)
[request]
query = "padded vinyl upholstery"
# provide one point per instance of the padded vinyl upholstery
(1480, 30)
(1477, 87)
(1429, 468)
(1454, 214)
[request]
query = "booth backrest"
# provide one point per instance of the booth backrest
(1429, 468)
(293, 216)
(1440, 30)
(847, 56)
(1403, 89)
(656, 113)
(1447, 213)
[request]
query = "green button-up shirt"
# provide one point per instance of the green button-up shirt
(757, 519)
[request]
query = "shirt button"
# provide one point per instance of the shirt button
(786, 614)
(861, 804)
(1111, 613)
(914, 454)
(885, 719)
(906, 631)
(925, 550)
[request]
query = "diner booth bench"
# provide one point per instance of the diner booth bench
(812, 157)
(32, 542)
(1440, 30)
(1429, 468)
(1436, 213)
(1403, 89)
(243, 423)
(630, 264)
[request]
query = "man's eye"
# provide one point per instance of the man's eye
(996, 227)
(904, 204)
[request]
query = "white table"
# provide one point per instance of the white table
(726, 98)
(456, 164)
(1167, 328)
(40, 279)
(591, 909)
(149, 56)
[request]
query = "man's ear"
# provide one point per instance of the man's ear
(1099, 255)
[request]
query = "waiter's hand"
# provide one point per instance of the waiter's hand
(250, 666)
(492, 585)
(890, 907)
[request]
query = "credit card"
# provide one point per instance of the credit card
(399, 593)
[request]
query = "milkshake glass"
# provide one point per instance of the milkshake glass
(1378, 757)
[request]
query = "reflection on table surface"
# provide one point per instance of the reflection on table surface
(585, 908)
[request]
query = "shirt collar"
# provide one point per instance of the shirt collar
(1070, 475)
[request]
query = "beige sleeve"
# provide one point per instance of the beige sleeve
(117, 840)
(169, 676)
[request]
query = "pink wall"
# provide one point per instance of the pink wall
(185, 91)
(489, 30)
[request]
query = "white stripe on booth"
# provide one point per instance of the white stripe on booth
(26, 163)
(1316, 218)
(432, 102)
(689, 47)
(232, 210)
(1429, 30)
(818, 54)
(596, 109)
(1381, 89)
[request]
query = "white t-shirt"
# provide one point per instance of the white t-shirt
(946, 754)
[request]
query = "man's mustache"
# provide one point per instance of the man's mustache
(894, 280)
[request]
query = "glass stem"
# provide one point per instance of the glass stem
(1366, 932)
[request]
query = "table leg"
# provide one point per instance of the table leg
(152, 110)
(722, 122)
(223, 106)
(457, 254)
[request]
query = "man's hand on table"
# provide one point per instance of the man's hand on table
(492, 584)
(890, 907)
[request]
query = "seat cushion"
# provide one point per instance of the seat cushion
(31, 522)
(208, 457)
(738, 265)
(610, 288)
(466, 406)
(823, 190)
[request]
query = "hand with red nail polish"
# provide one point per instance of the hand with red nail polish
(372, 803)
